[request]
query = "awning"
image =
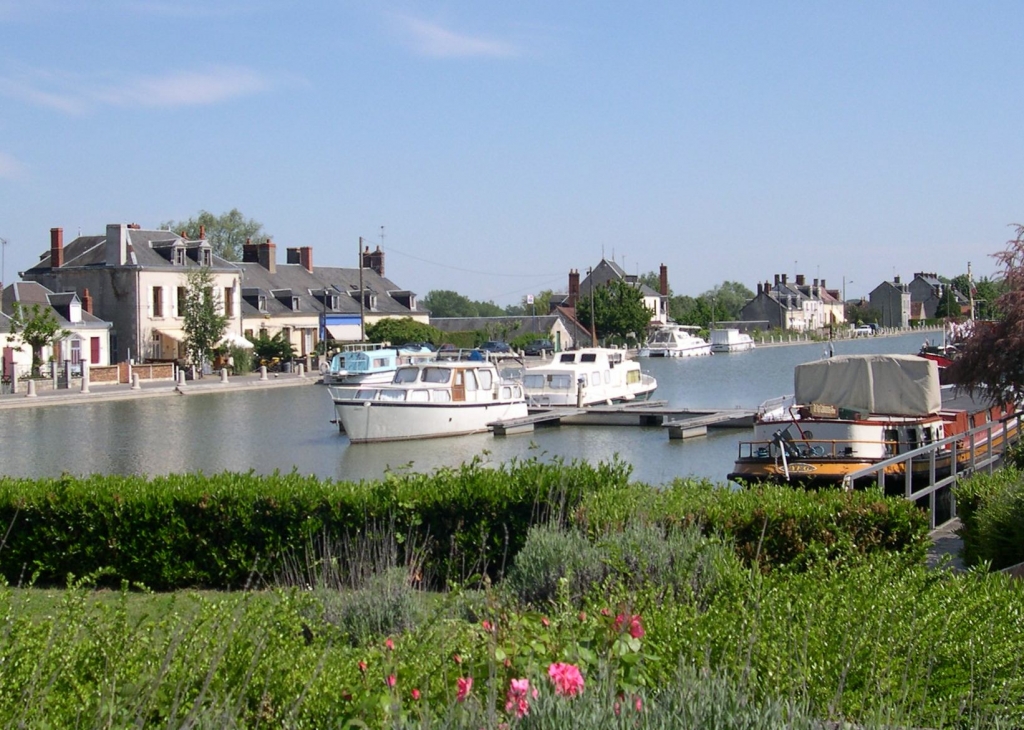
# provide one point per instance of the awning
(173, 334)
(233, 339)
(343, 332)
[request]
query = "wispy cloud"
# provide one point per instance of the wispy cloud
(10, 168)
(433, 39)
(74, 94)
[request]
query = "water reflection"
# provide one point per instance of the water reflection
(290, 428)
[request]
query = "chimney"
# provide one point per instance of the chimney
(784, 279)
(116, 250)
(896, 280)
(292, 255)
(663, 281)
(250, 254)
(56, 248)
(823, 284)
(306, 258)
(202, 232)
(267, 253)
(374, 261)
(800, 280)
(760, 289)
(574, 287)
(778, 279)
(87, 301)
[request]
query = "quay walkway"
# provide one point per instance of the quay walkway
(680, 422)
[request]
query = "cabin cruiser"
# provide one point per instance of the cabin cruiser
(589, 376)
(371, 363)
(730, 340)
(428, 400)
(849, 413)
(675, 340)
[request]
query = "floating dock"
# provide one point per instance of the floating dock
(681, 423)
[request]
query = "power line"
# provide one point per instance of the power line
(392, 249)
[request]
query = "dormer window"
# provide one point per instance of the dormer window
(295, 304)
(262, 303)
(179, 256)
(207, 257)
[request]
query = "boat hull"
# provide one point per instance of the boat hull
(378, 421)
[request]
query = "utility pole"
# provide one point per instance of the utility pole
(362, 294)
(593, 329)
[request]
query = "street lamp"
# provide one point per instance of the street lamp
(844, 299)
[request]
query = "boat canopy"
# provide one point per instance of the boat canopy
(895, 385)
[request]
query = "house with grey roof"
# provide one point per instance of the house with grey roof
(927, 290)
(137, 281)
(796, 305)
(891, 299)
(87, 339)
(312, 303)
(608, 271)
(559, 326)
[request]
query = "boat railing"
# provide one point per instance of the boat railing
(504, 390)
(813, 448)
(779, 405)
(981, 448)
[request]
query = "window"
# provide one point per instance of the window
(262, 303)
(76, 351)
(436, 375)
(158, 301)
(179, 256)
(181, 301)
(229, 301)
(486, 379)
(207, 257)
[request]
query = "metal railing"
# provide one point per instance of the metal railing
(966, 454)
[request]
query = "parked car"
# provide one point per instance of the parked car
(863, 331)
(539, 347)
(495, 346)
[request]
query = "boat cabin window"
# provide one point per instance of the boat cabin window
(607, 377)
(418, 396)
(486, 379)
(595, 377)
(406, 375)
(471, 380)
(632, 376)
(436, 375)
(380, 362)
(533, 381)
(567, 357)
(588, 357)
(560, 381)
(392, 395)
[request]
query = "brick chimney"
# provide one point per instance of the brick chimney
(784, 279)
(116, 248)
(800, 280)
(250, 254)
(56, 248)
(374, 261)
(663, 281)
(778, 279)
(574, 288)
(87, 301)
(202, 233)
(760, 288)
(306, 258)
(267, 253)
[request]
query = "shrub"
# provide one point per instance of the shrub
(991, 511)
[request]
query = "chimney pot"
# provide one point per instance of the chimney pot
(87, 301)
(56, 248)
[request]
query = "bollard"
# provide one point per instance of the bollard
(181, 378)
(14, 381)
(300, 370)
(85, 376)
(31, 389)
(224, 375)
(135, 382)
(263, 372)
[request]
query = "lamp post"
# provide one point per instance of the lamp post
(593, 329)
(844, 299)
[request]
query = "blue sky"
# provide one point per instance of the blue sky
(502, 144)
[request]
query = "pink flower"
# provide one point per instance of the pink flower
(567, 679)
(639, 705)
(362, 667)
(391, 680)
(456, 658)
(583, 616)
(465, 685)
(389, 644)
(415, 694)
(544, 621)
(518, 692)
(487, 626)
(636, 628)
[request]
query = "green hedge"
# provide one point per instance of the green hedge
(226, 530)
(771, 524)
(991, 510)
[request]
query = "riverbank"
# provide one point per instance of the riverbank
(155, 389)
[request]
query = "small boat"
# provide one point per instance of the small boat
(588, 376)
(730, 340)
(428, 400)
(371, 363)
(852, 412)
(675, 340)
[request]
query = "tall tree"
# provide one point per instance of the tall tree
(991, 360)
(226, 232)
(619, 311)
(399, 331)
(203, 325)
(35, 326)
(447, 303)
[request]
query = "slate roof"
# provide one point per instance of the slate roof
(539, 325)
(607, 271)
(29, 293)
(294, 280)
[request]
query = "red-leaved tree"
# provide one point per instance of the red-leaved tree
(991, 361)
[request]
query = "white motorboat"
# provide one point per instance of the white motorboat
(428, 400)
(730, 340)
(675, 340)
(372, 363)
(585, 377)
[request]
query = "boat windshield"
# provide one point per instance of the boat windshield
(406, 375)
(662, 337)
(436, 375)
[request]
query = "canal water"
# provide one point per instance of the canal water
(289, 428)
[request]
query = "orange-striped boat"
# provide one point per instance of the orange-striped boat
(850, 413)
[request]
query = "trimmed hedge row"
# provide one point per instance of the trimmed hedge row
(773, 525)
(220, 531)
(991, 511)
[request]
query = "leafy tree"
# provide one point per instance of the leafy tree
(226, 233)
(401, 331)
(728, 299)
(488, 309)
(987, 293)
(447, 303)
(991, 360)
(35, 326)
(203, 325)
(619, 311)
(266, 348)
(690, 310)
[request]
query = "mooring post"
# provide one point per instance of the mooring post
(85, 376)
